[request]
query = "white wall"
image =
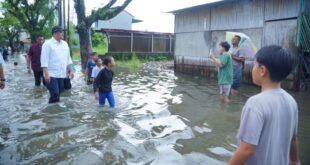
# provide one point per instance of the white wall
(121, 21)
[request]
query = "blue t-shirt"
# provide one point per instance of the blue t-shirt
(90, 66)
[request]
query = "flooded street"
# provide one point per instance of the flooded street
(160, 118)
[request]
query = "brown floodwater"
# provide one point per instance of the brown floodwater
(160, 118)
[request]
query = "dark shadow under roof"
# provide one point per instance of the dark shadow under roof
(201, 6)
(136, 20)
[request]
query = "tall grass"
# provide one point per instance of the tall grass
(102, 49)
(133, 62)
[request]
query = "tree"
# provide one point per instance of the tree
(11, 28)
(36, 18)
(85, 22)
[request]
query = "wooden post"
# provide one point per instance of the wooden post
(152, 44)
(109, 40)
(131, 43)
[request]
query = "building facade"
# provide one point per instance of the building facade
(122, 21)
(201, 28)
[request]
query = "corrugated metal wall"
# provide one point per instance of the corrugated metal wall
(193, 21)
(282, 33)
(193, 44)
(280, 9)
(237, 15)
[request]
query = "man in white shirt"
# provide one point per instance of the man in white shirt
(2, 80)
(56, 63)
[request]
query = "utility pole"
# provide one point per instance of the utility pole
(64, 18)
(68, 24)
(61, 7)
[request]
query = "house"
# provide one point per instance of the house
(123, 21)
(200, 28)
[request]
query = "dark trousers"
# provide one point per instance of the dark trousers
(55, 87)
(38, 76)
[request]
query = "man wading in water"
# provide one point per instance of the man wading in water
(56, 63)
(238, 62)
(34, 63)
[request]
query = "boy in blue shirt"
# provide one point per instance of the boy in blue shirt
(89, 67)
(268, 126)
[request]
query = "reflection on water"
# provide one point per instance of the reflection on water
(160, 118)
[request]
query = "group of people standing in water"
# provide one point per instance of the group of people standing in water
(51, 65)
(268, 125)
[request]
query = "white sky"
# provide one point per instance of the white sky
(152, 12)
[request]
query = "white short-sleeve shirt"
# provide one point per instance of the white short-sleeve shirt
(55, 56)
(96, 71)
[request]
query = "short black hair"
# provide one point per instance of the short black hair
(93, 54)
(239, 38)
(97, 60)
(277, 60)
(39, 36)
(56, 29)
(107, 60)
(225, 45)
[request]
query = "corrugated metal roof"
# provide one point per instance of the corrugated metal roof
(201, 6)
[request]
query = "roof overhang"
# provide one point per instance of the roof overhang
(136, 20)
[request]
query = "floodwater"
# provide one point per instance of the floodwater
(160, 119)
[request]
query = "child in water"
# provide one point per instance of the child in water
(103, 82)
(89, 67)
(95, 72)
(225, 65)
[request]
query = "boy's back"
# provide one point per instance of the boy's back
(269, 121)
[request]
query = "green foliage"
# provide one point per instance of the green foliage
(101, 50)
(10, 29)
(76, 55)
(98, 39)
(3, 37)
(99, 42)
(73, 39)
(36, 18)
